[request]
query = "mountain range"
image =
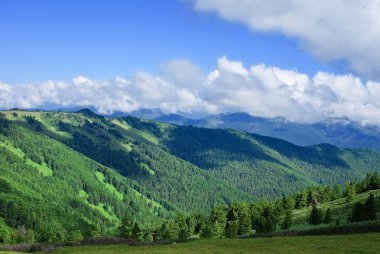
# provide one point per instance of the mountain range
(62, 169)
(336, 131)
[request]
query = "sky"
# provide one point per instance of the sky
(304, 61)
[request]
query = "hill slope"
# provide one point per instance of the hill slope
(184, 164)
(339, 132)
(259, 165)
(106, 167)
(44, 184)
(133, 153)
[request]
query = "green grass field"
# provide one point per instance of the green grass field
(357, 243)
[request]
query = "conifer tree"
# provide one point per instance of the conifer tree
(136, 231)
(370, 207)
(288, 220)
(244, 218)
(358, 213)
(126, 227)
(350, 192)
(170, 230)
(232, 228)
(315, 216)
(208, 231)
(301, 200)
(328, 217)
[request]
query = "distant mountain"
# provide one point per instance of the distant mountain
(175, 119)
(339, 132)
(142, 113)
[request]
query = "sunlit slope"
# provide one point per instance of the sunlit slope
(183, 165)
(134, 153)
(44, 182)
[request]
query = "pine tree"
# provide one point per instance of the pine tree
(219, 215)
(370, 207)
(244, 218)
(126, 227)
(232, 228)
(315, 216)
(358, 213)
(328, 217)
(301, 200)
(350, 193)
(208, 231)
(170, 230)
(136, 232)
(268, 220)
(288, 220)
(288, 203)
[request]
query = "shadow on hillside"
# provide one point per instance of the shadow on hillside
(213, 148)
(325, 155)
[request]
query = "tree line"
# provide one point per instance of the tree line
(265, 216)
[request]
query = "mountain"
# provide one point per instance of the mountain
(175, 119)
(83, 170)
(132, 153)
(49, 187)
(339, 132)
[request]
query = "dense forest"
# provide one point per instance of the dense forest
(267, 216)
(64, 172)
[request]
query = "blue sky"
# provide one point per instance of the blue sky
(43, 40)
(305, 61)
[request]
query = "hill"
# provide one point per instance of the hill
(96, 169)
(134, 154)
(48, 187)
(261, 166)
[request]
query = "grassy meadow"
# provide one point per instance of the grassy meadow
(356, 243)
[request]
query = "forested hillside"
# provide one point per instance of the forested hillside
(66, 171)
(337, 131)
(49, 188)
(135, 154)
(261, 166)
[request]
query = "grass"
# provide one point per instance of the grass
(48, 127)
(42, 168)
(141, 136)
(147, 168)
(100, 176)
(356, 243)
(147, 200)
(106, 211)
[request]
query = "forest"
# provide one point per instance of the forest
(68, 176)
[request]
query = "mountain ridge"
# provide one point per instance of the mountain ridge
(153, 169)
(337, 131)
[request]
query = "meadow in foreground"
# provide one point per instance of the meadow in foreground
(356, 243)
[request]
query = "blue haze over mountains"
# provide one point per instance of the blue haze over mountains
(340, 132)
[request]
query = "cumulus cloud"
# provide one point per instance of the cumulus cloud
(331, 30)
(182, 87)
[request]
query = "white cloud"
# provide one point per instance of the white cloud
(331, 30)
(181, 87)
